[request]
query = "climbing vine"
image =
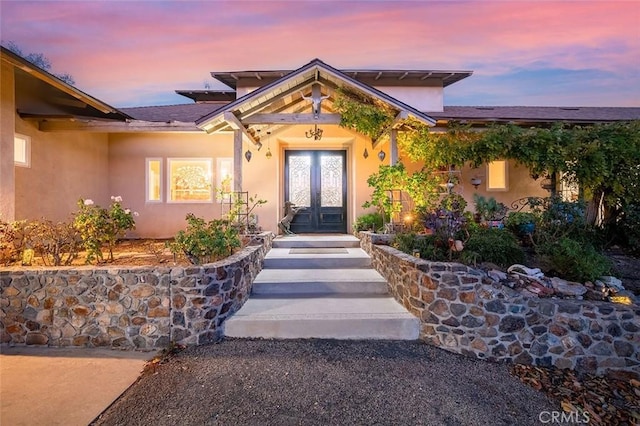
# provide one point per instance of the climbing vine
(362, 113)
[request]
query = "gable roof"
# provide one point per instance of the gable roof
(40, 94)
(368, 76)
(315, 71)
(527, 114)
(186, 113)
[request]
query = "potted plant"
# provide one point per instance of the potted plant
(521, 223)
(489, 211)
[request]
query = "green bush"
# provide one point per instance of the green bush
(574, 260)
(368, 222)
(205, 242)
(430, 247)
(629, 228)
(494, 245)
(99, 226)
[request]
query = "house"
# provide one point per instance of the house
(274, 134)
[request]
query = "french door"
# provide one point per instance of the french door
(317, 180)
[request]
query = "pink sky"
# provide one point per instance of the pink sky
(129, 53)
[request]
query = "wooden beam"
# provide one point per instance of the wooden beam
(295, 118)
(402, 115)
(237, 160)
(284, 93)
(116, 127)
(237, 125)
(393, 146)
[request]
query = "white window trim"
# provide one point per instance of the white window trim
(506, 178)
(146, 180)
(27, 150)
(168, 181)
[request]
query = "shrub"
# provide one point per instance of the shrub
(57, 243)
(429, 246)
(99, 226)
(368, 222)
(574, 260)
(629, 228)
(494, 245)
(12, 240)
(204, 242)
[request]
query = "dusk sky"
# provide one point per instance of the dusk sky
(133, 53)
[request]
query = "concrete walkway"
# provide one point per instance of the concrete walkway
(58, 386)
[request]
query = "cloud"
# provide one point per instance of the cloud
(124, 52)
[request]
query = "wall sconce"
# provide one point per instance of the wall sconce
(476, 181)
(381, 155)
(248, 155)
(314, 133)
(365, 154)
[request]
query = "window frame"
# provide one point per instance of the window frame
(169, 175)
(27, 150)
(148, 160)
(505, 173)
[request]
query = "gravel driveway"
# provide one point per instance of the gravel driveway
(326, 382)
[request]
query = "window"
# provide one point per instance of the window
(189, 180)
(224, 178)
(497, 176)
(154, 180)
(22, 150)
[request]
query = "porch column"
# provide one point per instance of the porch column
(7, 129)
(237, 160)
(393, 147)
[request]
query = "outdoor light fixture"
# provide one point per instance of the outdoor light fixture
(314, 133)
(476, 181)
(248, 155)
(365, 154)
(382, 155)
(258, 143)
(268, 154)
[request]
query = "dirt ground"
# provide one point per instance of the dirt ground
(627, 268)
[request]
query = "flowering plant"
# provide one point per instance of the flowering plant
(99, 226)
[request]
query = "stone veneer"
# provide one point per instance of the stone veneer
(465, 312)
(132, 308)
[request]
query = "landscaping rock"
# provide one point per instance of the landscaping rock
(567, 288)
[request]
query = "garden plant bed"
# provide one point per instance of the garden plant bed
(608, 400)
(132, 252)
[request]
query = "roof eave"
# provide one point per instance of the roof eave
(26, 66)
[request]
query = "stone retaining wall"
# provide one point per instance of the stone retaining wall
(463, 312)
(134, 308)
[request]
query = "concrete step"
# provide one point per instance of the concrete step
(323, 318)
(326, 281)
(319, 258)
(318, 241)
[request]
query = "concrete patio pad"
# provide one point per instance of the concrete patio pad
(60, 386)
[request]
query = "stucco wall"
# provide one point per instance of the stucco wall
(127, 168)
(64, 167)
(261, 176)
(7, 125)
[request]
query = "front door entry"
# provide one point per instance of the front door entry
(317, 180)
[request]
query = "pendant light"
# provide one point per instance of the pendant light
(268, 154)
